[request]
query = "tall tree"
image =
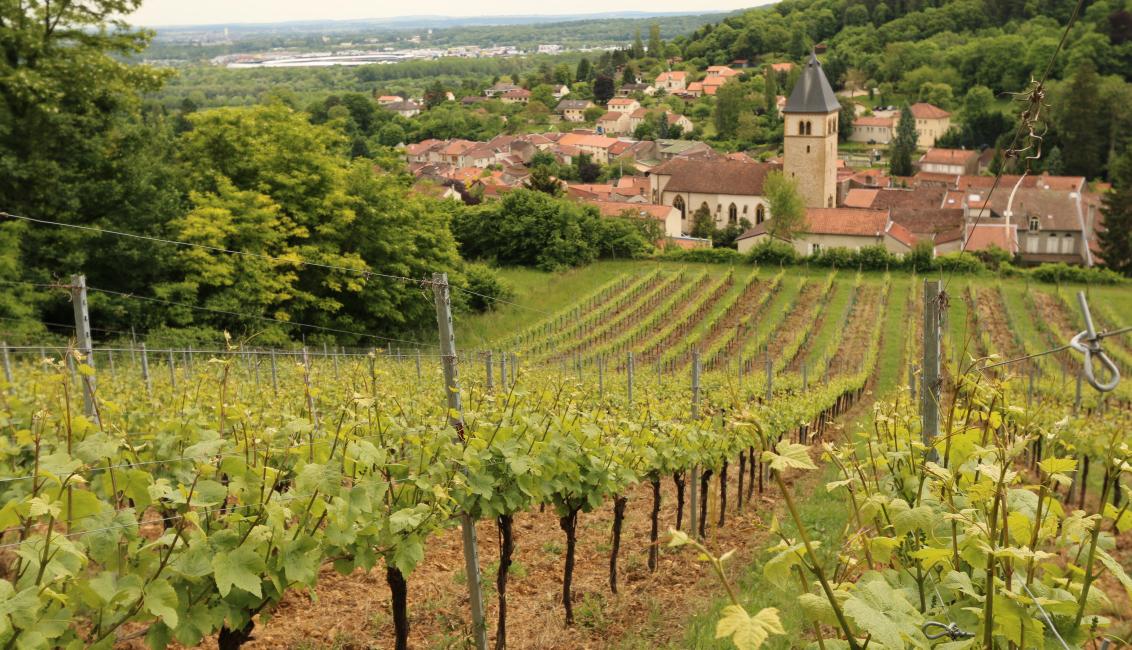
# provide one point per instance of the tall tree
(845, 118)
(542, 180)
(730, 101)
(1081, 123)
(1116, 237)
(903, 145)
(603, 89)
(656, 46)
(787, 210)
(770, 91)
(584, 71)
(638, 50)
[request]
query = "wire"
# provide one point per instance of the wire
(253, 316)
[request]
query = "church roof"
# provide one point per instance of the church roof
(812, 93)
(728, 177)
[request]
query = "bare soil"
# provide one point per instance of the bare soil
(353, 611)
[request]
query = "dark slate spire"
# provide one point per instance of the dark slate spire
(812, 93)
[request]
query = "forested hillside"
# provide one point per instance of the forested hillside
(949, 53)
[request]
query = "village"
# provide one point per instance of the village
(1037, 219)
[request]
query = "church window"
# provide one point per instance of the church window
(801, 128)
(732, 214)
(760, 214)
(807, 148)
(678, 203)
(1035, 224)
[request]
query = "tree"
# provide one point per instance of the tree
(770, 91)
(845, 118)
(1053, 161)
(543, 180)
(629, 74)
(1080, 120)
(703, 225)
(1116, 236)
(584, 71)
(638, 50)
(391, 135)
(587, 170)
(435, 94)
(603, 89)
(787, 210)
(647, 130)
(939, 94)
(903, 145)
(656, 46)
(730, 100)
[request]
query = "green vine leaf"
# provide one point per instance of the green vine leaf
(745, 631)
(160, 599)
(240, 568)
(791, 455)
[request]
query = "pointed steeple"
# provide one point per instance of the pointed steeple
(812, 93)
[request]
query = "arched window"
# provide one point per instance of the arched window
(801, 128)
(809, 128)
(732, 214)
(678, 203)
(760, 214)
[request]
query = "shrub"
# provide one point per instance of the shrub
(836, 257)
(772, 252)
(1061, 272)
(959, 263)
(875, 258)
(485, 288)
(710, 255)
(922, 257)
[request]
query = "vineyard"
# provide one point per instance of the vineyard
(249, 497)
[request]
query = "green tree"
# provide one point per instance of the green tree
(845, 118)
(435, 95)
(939, 94)
(903, 145)
(1116, 235)
(1053, 161)
(586, 169)
(703, 224)
(656, 46)
(542, 180)
(603, 89)
(584, 71)
(730, 101)
(1079, 117)
(787, 210)
(391, 135)
(770, 91)
(638, 50)
(629, 74)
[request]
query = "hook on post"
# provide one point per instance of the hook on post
(1089, 344)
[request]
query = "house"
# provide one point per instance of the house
(672, 81)
(454, 149)
(516, 96)
(499, 89)
(872, 130)
(573, 110)
(782, 68)
(481, 156)
(681, 121)
(931, 123)
(472, 100)
(385, 100)
(613, 122)
(668, 149)
(851, 228)
(667, 217)
(404, 109)
(953, 162)
(695, 89)
(624, 105)
(420, 151)
(637, 118)
(560, 91)
(721, 71)
(597, 146)
(1047, 224)
(628, 90)
(729, 190)
(711, 84)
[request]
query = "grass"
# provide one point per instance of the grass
(891, 364)
(823, 340)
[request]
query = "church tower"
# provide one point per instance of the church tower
(810, 137)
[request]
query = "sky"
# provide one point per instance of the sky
(155, 13)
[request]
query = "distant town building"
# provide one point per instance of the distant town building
(516, 96)
(672, 81)
(574, 110)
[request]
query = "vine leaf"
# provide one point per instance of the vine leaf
(886, 614)
(241, 568)
(1115, 569)
(791, 455)
(160, 599)
(748, 632)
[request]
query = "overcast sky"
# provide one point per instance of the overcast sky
(200, 12)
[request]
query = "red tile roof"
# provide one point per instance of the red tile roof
(873, 121)
(901, 234)
(982, 236)
(587, 140)
(860, 198)
(719, 176)
(926, 111)
(622, 101)
(940, 156)
(674, 75)
(846, 221)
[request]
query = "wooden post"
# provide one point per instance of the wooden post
(930, 391)
(86, 347)
(145, 372)
(456, 419)
(769, 376)
(695, 481)
(489, 368)
(172, 370)
(274, 375)
(629, 376)
(7, 365)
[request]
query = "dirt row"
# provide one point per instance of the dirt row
(745, 306)
(352, 611)
(690, 319)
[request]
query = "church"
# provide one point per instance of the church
(731, 188)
